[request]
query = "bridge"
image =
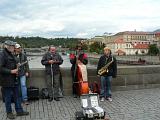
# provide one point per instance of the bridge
(135, 96)
(128, 78)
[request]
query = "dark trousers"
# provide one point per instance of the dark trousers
(8, 93)
(74, 84)
(53, 82)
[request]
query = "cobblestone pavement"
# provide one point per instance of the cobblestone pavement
(126, 105)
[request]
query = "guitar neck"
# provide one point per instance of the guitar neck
(21, 64)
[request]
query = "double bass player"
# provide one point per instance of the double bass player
(78, 58)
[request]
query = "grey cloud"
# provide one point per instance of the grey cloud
(75, 16)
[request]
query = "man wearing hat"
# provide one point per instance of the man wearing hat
(8, 80)
(109, 64)
(23, 71)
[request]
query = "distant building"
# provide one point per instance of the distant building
(129, 42)
(157, 37)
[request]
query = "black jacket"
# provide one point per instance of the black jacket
(21, 58)
(7, 63)
(55, 67)
(81, 57)
(112, 67)
(73, 59)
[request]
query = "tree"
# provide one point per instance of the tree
(96, 47)
(84, 46)
(37, 42)
(153, 50)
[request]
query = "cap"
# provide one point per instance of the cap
(17, 45)
(9, 42)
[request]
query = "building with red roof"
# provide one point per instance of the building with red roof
(129, 42)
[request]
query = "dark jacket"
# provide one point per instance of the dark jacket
(82, 57)
(112, 67)
(7, 63)
(21, 58)
(55, 67)
(73, 58)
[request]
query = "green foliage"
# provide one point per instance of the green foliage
(37, 42)
(84, 46)
(153, 50)
(96, 47)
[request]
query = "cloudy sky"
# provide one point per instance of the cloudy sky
(77, 18)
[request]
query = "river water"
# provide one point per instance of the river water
(35, 62)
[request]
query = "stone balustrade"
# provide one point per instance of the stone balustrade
(128, 77)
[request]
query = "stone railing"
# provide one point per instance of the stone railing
(128, 77)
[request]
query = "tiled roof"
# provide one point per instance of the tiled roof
(140, 46)
(134, 33)
(120, 51)
(157, 34)
(119, 40)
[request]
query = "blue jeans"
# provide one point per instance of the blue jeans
(8, 93)
(23, 88)
(105, 86)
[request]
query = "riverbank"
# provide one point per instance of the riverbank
(35, 61)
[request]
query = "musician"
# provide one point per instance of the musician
(107, 58)
(23, 72)
(8, 81)
(52, 60)
(77, 58)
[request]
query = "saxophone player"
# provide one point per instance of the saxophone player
(106, 69)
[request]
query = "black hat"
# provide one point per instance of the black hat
(9, 42)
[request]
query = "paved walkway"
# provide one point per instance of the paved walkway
(126, 105)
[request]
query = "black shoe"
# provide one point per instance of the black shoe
(57, 99)
(50, 99)
(75, 96)
(60, 96)
(11, 115)
(24, 113)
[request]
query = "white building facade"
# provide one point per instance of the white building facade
(131, 42)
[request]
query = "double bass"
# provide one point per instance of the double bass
(82, 79)
(80, 83)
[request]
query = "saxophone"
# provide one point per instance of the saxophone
(104, 69)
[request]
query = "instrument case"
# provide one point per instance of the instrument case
(33, 93)
(90, 106)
